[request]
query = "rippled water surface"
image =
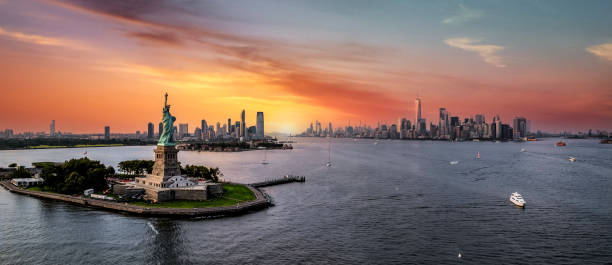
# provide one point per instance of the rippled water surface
(393, 202)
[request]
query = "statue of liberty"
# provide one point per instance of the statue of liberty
(166, 137)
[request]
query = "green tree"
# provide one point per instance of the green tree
(20, 172)
(202, 172)
(75, 175)
(136, 167)
(13, 165)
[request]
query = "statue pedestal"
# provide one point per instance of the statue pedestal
(166, 183)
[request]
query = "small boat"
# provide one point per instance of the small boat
(454, 162)
(478, 155)
(572, 159)
(522, 149)
(561, 143)
(517, 199)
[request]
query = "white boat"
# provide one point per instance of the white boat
(454, 162)
(478, 155)
(517, 199)
(522, 149)
(572, 159)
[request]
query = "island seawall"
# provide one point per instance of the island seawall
(261, 201)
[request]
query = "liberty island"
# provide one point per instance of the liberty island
(159, 192)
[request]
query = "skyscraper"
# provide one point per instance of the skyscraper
(229, 125)
(204, 129)
(150, 130)
(52, 128)
(183, 130)
(107, 133)
(260, 125)
(520, 128)
(417, 112)
(160, 129)
(443, 123)
(243, 125)
(237, 130)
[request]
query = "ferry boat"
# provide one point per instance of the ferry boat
(561, 143)
(572, 159)
(517, 199)
(606, 141)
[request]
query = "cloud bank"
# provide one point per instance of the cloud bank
(602, 50)
(488, 52)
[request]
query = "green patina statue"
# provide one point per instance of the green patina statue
(166, 137)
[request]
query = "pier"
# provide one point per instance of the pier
(278, 181)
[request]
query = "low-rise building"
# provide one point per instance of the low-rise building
(27, 182)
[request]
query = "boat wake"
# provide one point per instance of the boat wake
(152, 228)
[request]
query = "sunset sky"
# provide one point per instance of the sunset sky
(88, 64)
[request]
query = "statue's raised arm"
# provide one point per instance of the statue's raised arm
(166, 100)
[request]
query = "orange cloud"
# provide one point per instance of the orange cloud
(40, 40)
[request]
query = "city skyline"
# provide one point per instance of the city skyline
(94, 62)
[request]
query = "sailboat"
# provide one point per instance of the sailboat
(265, 161)
(329, 164)
(478, 155)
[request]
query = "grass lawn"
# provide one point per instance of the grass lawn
(232, 195)
(46, 146)
(41, 188)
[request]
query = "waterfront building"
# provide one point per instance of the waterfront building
(229, 126)
(443, 123)
(519, 128)
(107, 133)
(150, 130)
(260, 125)
(52, 128)
(27, 182)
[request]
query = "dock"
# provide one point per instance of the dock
(278, 181)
